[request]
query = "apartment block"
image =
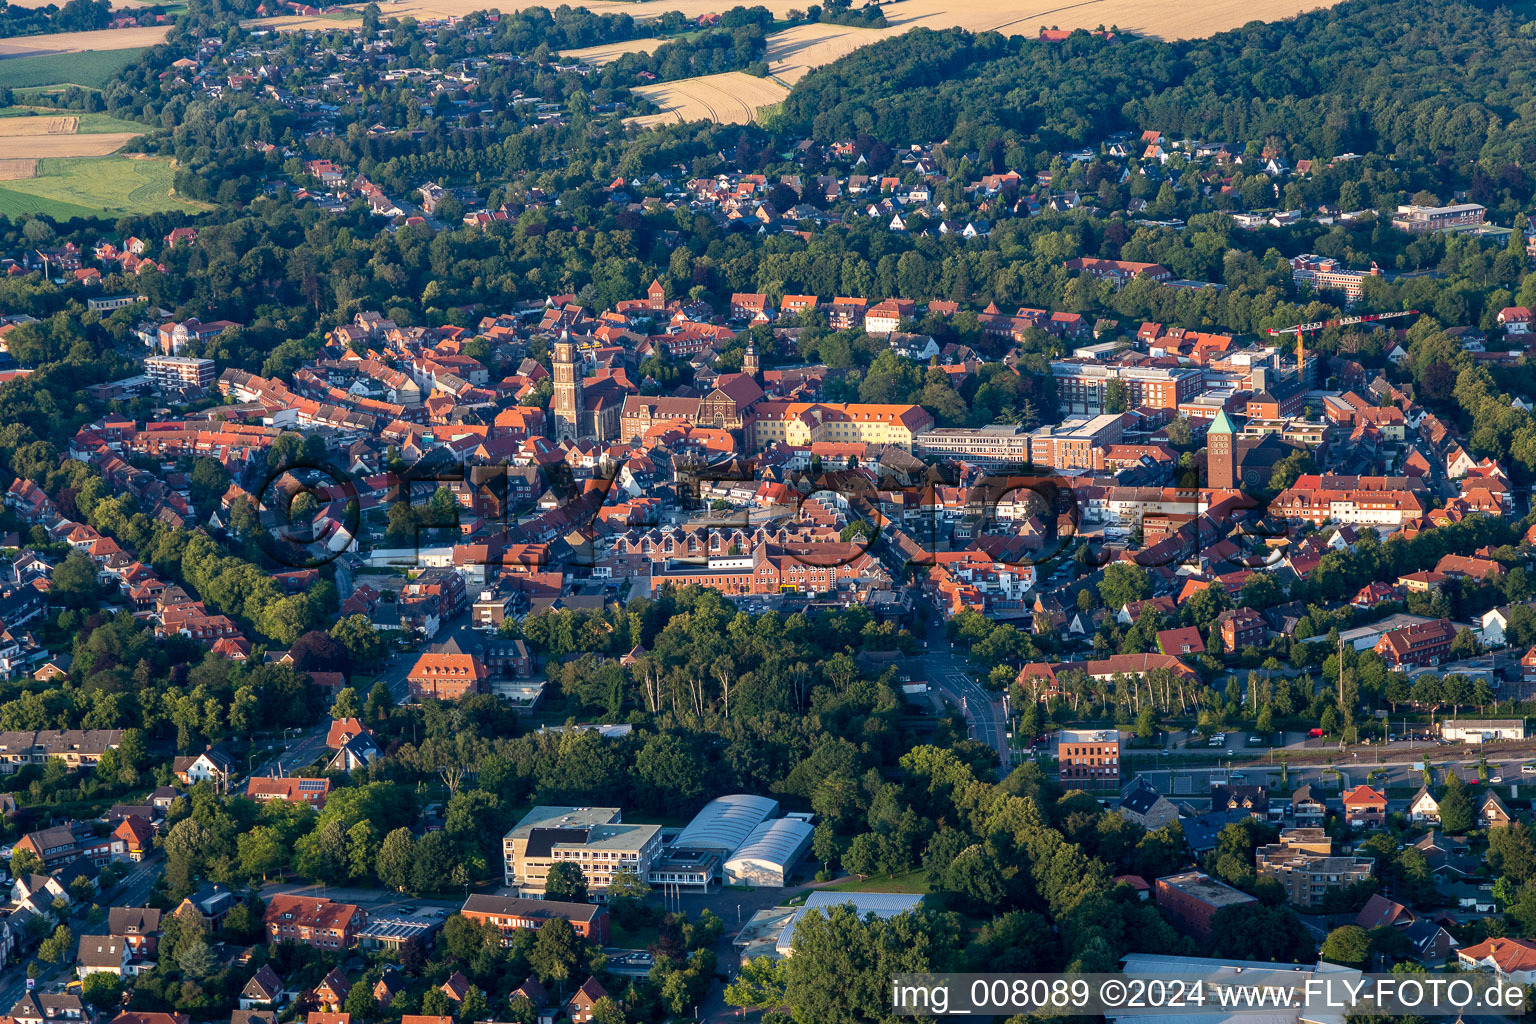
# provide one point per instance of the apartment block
(1089, 759)
(1075, 443)
(177, 372)
(1304, 864)
(990, 447)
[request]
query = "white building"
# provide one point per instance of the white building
(770, 853)
(1470, 731)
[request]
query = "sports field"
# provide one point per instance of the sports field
(94, 187)
(88, 69)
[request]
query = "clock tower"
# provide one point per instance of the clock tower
(566, 404)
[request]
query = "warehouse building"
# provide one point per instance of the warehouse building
(770, 853)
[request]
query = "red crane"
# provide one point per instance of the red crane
(1300, 330)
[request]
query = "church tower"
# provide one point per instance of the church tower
(1221, 454)
(566, 404)
(749, 361)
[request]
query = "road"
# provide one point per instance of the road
(132, 891)
(983, 710)
(299, 753)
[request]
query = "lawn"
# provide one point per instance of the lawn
(909, 881)
(94, 187)
(91, 69)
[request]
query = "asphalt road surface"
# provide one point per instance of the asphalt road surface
(983, 710)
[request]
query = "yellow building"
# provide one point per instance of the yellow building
(805, 423)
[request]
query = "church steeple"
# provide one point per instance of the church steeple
(566, 403)
(749, 361)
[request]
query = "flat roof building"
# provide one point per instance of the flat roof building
(591, 837)
(1192, 899)
(1088, 759)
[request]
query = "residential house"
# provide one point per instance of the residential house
(101, 954)
(1308, 805)
(1364, 806)
(264, 990)
(1423, 806)
(579, 1007)
(314, 921)
(1511, 960)
(1147, 807)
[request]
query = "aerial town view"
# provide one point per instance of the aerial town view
(652, 511)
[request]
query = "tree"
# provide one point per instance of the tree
(55, 949)
(24, 862)
(566, 881)
(1124, 583)
(396, 855)
(1511, 852)
(195, 959)
(760, 984)
(474, 1005)
(843, 965)
(1456, 814)
(557, 952)
(522, 1011)
(604, 1011)
(1348, 944)
(262, 852)
(74, 583)
(361, 1004)
(102, 990)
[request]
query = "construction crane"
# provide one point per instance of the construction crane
(1300, 330)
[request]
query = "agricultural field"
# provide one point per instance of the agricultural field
(793, 53)
(317, 22)
(730, 98)
(86, 187)
(1167, 19)
(106, 39)
(607, 53)
(87, 69)
(28, 134)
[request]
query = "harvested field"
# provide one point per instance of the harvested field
(82, 42)
(345, 18)
(11, 127)
(52, 146)
(1168, 19)
(796, 51)
(730, 98)
(15, 170)
(610, 52)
